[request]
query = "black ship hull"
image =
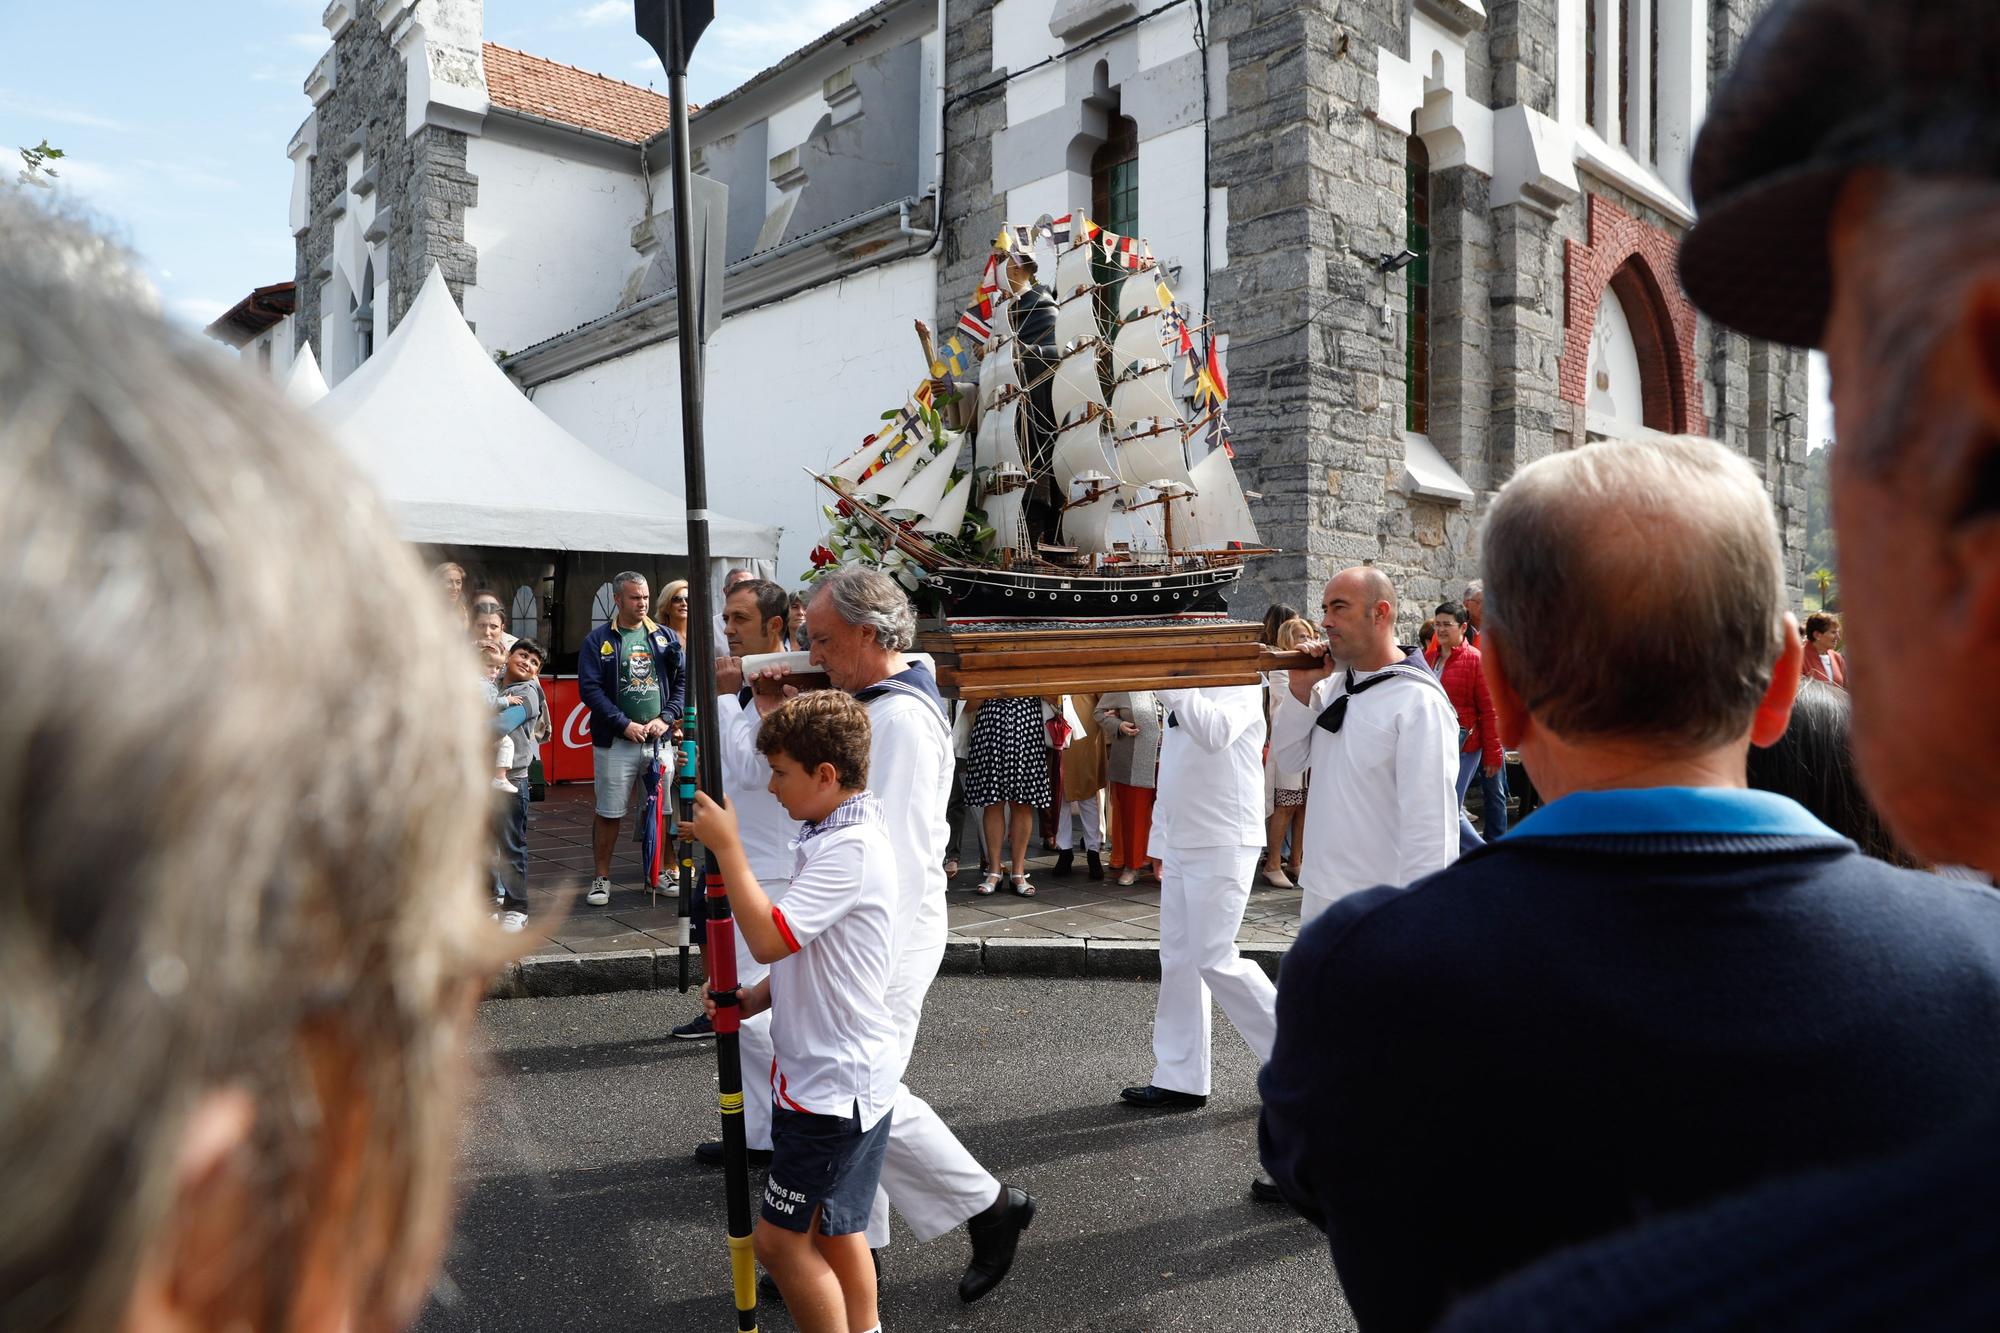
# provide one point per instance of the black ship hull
(975, 594)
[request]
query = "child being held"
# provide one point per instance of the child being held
(492, 665)
(524, 711)
(836, 1056)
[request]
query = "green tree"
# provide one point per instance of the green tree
(35, 164)
(1819, 518)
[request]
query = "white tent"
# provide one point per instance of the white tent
(467, 460)
(304, 385)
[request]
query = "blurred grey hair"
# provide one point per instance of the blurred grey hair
(624, 577)
(260, 862)
(870, 597)
(1635, 588)
(1476, 588)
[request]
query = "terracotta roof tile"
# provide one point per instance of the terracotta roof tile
(555, 91)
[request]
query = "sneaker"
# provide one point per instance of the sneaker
(513, 921)
(697, 1028)
(600, 892)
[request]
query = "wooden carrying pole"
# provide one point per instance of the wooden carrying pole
(671, 28)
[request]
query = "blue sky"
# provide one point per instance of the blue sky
(175, 114)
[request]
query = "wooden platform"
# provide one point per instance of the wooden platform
(999, 663)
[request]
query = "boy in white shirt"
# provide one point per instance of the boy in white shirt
(836, 1060)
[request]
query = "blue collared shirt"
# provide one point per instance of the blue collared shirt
(1712, 810)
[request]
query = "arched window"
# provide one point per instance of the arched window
(1417, 284)
(525, 615)
(363, 315)
(603, 605)
(1114, 179)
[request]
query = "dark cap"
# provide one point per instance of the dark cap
(1823, 88)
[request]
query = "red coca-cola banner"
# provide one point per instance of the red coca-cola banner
(566, 755)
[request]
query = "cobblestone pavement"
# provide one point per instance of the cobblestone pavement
(1075, 907)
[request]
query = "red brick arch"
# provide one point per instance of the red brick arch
(1636, 262)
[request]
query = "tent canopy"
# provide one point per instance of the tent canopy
(467, 460)
(304, 385)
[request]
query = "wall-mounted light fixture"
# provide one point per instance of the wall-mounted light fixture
(1402, 259)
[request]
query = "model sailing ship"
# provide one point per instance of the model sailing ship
(1103, 501)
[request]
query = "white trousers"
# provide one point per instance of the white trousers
(926, 1172)
(1087, 815)
(753, 1041)
(1202, 894)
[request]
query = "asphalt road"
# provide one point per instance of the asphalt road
(582, 1207)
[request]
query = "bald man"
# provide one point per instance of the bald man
(1659, 988)
(1381, 739)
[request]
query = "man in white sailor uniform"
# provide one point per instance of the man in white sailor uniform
(753, 621)
(1208, 821)
(858, 623)
(1381, 739)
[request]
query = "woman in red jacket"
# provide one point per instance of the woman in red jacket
(1823, 660)
(1457, 665)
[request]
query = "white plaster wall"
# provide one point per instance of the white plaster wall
(1168, 37)
(790, 386)
(788, 127)
(554, 236)
(1021, 38)
(1050, 194)
(1170, 215)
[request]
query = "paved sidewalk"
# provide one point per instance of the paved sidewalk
(997, 933)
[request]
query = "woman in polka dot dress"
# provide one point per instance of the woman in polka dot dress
(1007, 776)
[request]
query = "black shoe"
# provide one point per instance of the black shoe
(1264, 1190)
(996, 1233)
(1064, 860)
(1096, 865)
(1150, 1098)
(710, 1154)
(697, 1028)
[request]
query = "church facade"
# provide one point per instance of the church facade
(1439, 237)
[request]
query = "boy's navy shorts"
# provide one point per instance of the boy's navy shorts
(826, 1162)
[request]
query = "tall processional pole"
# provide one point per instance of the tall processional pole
(671, 28)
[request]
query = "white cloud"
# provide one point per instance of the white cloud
(599, 15)
(771, 37)
(740, 45)
(58, 114)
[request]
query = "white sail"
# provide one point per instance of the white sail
(1148, 455)
(949, 516)
(1076, 318)
(1007, 435)
(1138, 340)
(1073, 271)
(849, 469)
(1093, 520)
(1147, 395)
(1006, 497)
(926, 486)
(1075, 385)
(997, 371)
(896, 472)
(1079, 451)
(1217, 514)
(1139, 293)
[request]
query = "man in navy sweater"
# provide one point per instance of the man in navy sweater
(1848, 187)
(1657, 990)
